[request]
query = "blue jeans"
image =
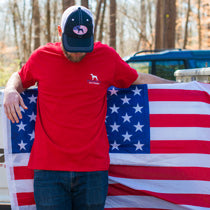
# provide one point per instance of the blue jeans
(63, 190)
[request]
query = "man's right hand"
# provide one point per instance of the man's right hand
(12, 103)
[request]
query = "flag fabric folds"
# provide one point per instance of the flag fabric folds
(159, 139)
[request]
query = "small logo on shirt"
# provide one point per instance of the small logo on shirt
(94, 80)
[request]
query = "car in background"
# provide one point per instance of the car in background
(164, 63)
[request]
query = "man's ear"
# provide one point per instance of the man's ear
(59, 31)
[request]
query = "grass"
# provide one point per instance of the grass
(6, 71)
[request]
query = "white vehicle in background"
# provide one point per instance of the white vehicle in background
(4, 192)
(197, 74)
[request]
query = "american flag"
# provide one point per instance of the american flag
(159, 148)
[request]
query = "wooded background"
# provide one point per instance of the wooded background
(126, 25)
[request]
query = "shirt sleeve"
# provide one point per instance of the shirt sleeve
(124, 75)
(26, 73)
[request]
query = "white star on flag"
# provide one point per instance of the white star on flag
(138, 108)
(22, 145)
(125, 100)
(114, 109)
(139, 146)
(127, 136)
(32, 135)
(115, 127)
(113, 91)
(32, 99)
(32, 117)
(21, 126)
(126, 118)
(115, 145)
(139, 127)
(137, 91)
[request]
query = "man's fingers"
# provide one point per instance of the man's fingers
(17, 109)
(22, 103)
(14, 114)
(9, 114)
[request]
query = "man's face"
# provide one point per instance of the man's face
(74, 57)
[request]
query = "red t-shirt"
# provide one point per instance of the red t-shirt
(70, 132)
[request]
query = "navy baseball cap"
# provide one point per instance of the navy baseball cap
(77, 26)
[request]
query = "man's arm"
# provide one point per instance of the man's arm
(12, 98)
(150, 79)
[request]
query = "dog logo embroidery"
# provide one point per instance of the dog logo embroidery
(94, 77)
(94, 80)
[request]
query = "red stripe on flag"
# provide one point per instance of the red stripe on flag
(118, 189)
(179, 120)
(25, 199)
(23, 172)
(180, 146)
(178, 95)
(183, 199)
(160, 173)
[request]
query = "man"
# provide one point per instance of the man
(70, 154)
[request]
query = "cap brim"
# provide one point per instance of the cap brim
(77, 45)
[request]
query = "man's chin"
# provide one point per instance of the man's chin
(75, 59)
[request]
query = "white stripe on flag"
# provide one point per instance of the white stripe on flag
(25, 185)
(174, 107)
(195, 207)
(129, 201)
(19, 159)
(31, 207)
(166, 186)
(180, 160)
(182, 86)
(179, 133)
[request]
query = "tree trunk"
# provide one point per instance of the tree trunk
(150, 24)
(15, 29)
(143, 27)
(36, 20)
(30, 28)
(48, 33)
(67, 4)
(85, 3)
(23, 46)
(165, 24)
(98, 11)
(55, 10)
(100, 38)
(199, 25)
(159, 29)
(170, 24)
(112, 23)
(186, 25)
